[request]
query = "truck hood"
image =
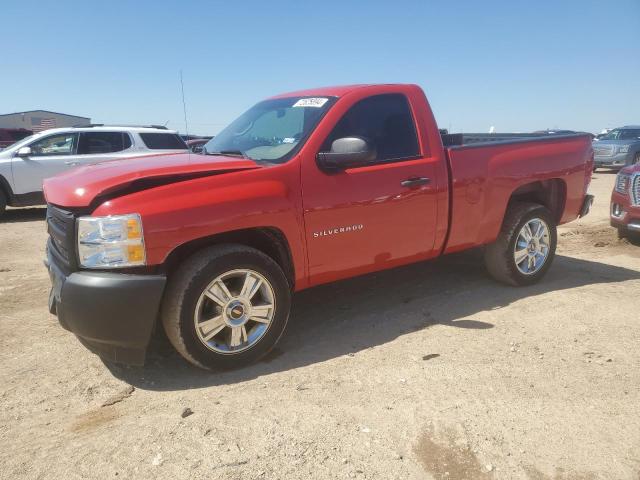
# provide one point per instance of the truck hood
(81, 186)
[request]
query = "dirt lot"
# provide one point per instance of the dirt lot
(429, 371)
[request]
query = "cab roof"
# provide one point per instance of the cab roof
(337, 91)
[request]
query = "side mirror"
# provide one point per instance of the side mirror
(23, 152)
(197, 148)
(347, 152)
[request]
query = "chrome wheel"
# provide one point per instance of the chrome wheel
(532, 246)
(234, 311)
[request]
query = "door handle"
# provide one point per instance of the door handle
(72, 163)
(415, 181)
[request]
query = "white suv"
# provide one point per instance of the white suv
(26, 163)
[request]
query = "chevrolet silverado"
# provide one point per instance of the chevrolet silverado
(303, 189)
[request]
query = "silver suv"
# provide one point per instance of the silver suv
(26, 163)
(618, 148)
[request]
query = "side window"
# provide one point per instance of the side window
(126, 140)
(629, 134)
(163, 141)
(92, 143)
(61, 144)
(385, 121)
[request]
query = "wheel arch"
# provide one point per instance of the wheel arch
(551, 193)
(269, 240)
(5, 188)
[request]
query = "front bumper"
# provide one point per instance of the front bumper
(615, 161)
(632, 226)
(112, 314)
(624, 215)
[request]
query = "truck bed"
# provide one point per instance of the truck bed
(484, 175)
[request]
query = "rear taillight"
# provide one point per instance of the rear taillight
(589, 172)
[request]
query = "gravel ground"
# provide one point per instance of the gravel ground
(428, 371)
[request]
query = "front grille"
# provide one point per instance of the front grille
(622, 183)
(61, 228)
(635, 190)
(603, 151)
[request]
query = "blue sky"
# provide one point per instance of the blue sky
(516, 65)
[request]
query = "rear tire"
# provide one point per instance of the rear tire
(211, 301)
(531, 260)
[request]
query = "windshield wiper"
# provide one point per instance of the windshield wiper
(231, 153)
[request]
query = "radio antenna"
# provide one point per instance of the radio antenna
(184, 109)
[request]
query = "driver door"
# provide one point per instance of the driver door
(374, 216)
(49, 156)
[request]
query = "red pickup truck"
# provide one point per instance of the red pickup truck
(303, 189)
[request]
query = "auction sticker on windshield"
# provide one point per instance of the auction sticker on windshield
(311, 102)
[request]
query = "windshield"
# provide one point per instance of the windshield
(622, 134)
(272, 130)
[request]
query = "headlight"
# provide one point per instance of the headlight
(623, 149)
(623, 182)
(111, 242)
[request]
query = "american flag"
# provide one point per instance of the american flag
(45, 124)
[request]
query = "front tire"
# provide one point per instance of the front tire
(632, 237)
(226, 306)
(525, 247)
(3, 203)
